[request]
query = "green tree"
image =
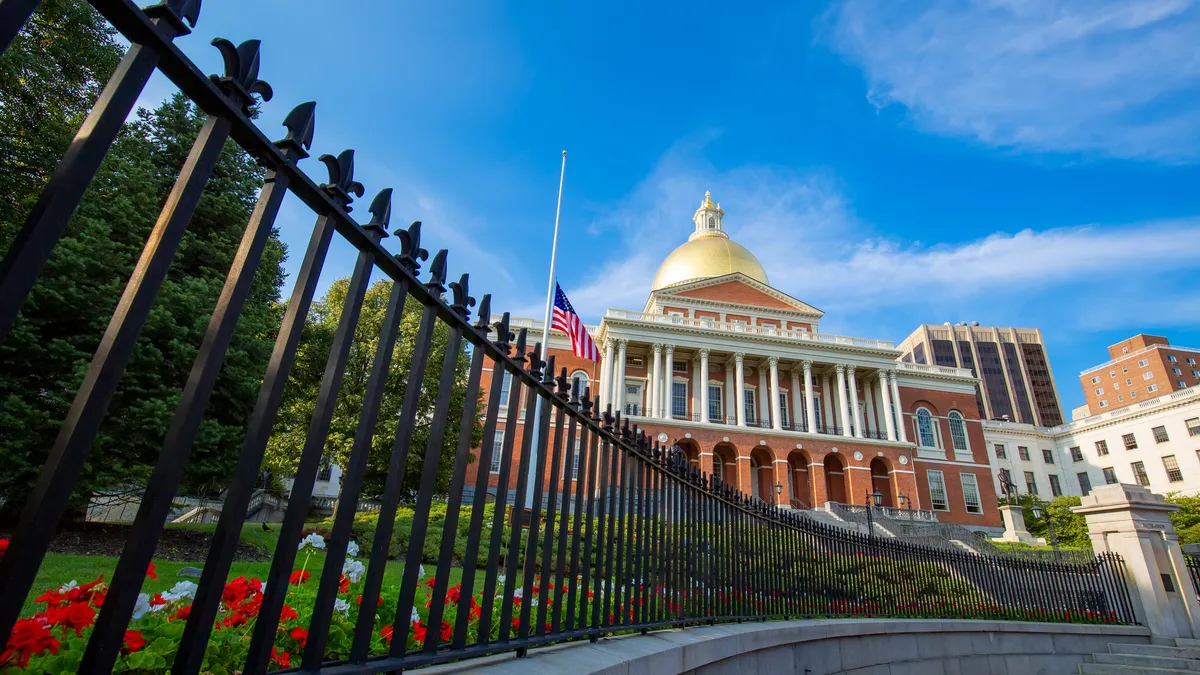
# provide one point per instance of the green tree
(1069, 527)
(1187, 518)
(305, 380)
(48, 351)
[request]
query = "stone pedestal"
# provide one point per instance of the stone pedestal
(1135, 523)
(1014, 527)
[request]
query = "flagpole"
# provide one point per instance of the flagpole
(529, 483)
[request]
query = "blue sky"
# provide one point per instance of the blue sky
(1014, 162)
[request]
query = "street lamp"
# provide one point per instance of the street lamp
(876, 499)
(1037, 515)
(778, 491)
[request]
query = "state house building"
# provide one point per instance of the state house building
(739, 375)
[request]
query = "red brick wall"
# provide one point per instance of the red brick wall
(738, 293)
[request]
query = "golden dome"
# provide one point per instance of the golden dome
(706, 257)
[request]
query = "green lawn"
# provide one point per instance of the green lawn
(58, 569)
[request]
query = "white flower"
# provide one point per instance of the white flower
(353, 569)
(501, 578)
(181, 590)
(415, 617)
(142, 606)
(420, 571)
(314, 540)
(520, 592)
(68, 587)
(533, 603)
(340, 605)
(352, 549)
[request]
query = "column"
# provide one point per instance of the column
(739, 375)
(697, 378)
(827, 402)
(730, 392)
(655, 381)
(664, 390)
(776, 413)
(843, 408)
(869, 424)
(764, 396)
(619, 379)
(703, 385)
(797, 401)
(604, 393)
(856, 411)
(889, 424)
(810, 404)
(900, 430)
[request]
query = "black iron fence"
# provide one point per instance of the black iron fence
(1193, 565)
(639, 540)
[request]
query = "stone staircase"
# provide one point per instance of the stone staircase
(1170, 655)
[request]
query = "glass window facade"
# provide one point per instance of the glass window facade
(943, 353)
(1013, 362)
(1041, 384)
(992, 372)
(968, 361)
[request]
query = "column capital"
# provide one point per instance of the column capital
(704, 352)
(608, 343)
(622, 342)
(670, 348)
(891, 374)
(739, 357)
(773, 361)
(808, 364)
(850, 370)
(839, 368)
(657, 347)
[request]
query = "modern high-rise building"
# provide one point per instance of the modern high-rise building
(1016, 383)
(1140, 368)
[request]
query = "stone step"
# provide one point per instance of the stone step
(1115, 669)
(1185, 642)
(1148, 661)
(1155, 650)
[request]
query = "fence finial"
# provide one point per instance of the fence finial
(437, 273)
(341, 179)
(585, 401)
(240, 81)
(522, 336)
(463, 302)
(411, 253)
(484, 315)
(381, 213)
(300, 123)
(504, 336)
(176, 12)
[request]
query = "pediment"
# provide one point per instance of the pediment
(737, 289)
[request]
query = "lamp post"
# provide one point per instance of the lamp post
(875, 499)
(778, 492)
(906, 504)
(1037, 515)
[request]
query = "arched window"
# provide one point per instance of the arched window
(958, 431)
(925, 432)
(718, 467)
(579, 382)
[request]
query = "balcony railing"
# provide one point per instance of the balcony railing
(731, 327)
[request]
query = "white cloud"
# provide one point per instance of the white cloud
(1115, 78)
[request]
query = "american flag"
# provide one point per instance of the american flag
(566, 320)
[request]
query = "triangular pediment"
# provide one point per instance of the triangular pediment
(736, 289)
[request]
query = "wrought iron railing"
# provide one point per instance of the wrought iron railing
(641, 540)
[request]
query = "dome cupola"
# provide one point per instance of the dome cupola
(708, 252)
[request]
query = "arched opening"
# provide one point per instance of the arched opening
(579, 382)
(762, 474)
(835, 478)
(692, 449)
(800, 480)
(881, 480)
(725, 464)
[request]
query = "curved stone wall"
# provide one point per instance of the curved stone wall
(825, 647)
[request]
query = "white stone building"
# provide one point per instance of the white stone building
(1154, 443)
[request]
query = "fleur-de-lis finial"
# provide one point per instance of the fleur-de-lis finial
(411, 253)
(522, 335)
(585, 401)
(437, 273)
(463, 302)
(534, 367)
(484, 315)
(241, 82)
(175, 13)
(563, 385)
(341, 183)
(504, 336)
(381, 214)
(548, 373)
(300, 123)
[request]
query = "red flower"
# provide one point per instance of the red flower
(447, 632)
(300, 634)
(386, 633)
(429, 582)
(3, 547)
(150, 571)
(343, 584)
(181, 613)
(299, 577)
(134, 640)
(75, 616)
(516, 624)
(29, 636)
(157, 600)
(453, 593)
(281, 658)
(287, 614)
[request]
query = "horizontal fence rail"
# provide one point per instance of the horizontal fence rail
(634, 539)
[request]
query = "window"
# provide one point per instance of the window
(1148, 375)
(579, 383)
(1116, 386)
(1139, 474)
(1085, 483)
(1172, 466)
(574, 462)
(634, 362)
(1099, 391)
(1171, 358)
(1047, 455)
(1055, 487)
(326, 471)
(1096, 380)
(1130, 441)
(1181, 383)
(679, 399)
(676, 317)
(1193, 426)
(1101, 448)
(1076, 454)
(970, 488)
(1124, 350)
(1151, 389)
(1133, 394)
(1196, 373)
(1110, 476)
(784, 417)
(1144, 363)
(1023, 452)
(1129, 381)
(1160, 434)
(1176, 371)
(505, 387)
(1191, 361)
(1120, 398)
(751, 409)
(679, 366)
(633, 399)
(925, 432)
(937, 491)
(1124, 369)
(958, 431)
(714, 403)
(1030, 483)
(497, 451)
(1104, 403)
(1000, 454)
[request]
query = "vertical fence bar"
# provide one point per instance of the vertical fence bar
(518, 515)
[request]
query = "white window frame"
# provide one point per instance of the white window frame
(1100, 391)
(1151, 389)
(750, 405)
(1171, 358)
(497, 452)
(582, 378)
(1055, 486)
(971, 487)
(932, 430)
(639, 398)
(785, 416)
(937, 483)
(718, 401)
(1148, 375)
(679, 383)
(1095, 379)
(505, 387)
(1103, 404)
(1144, 363)
(958, 427)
